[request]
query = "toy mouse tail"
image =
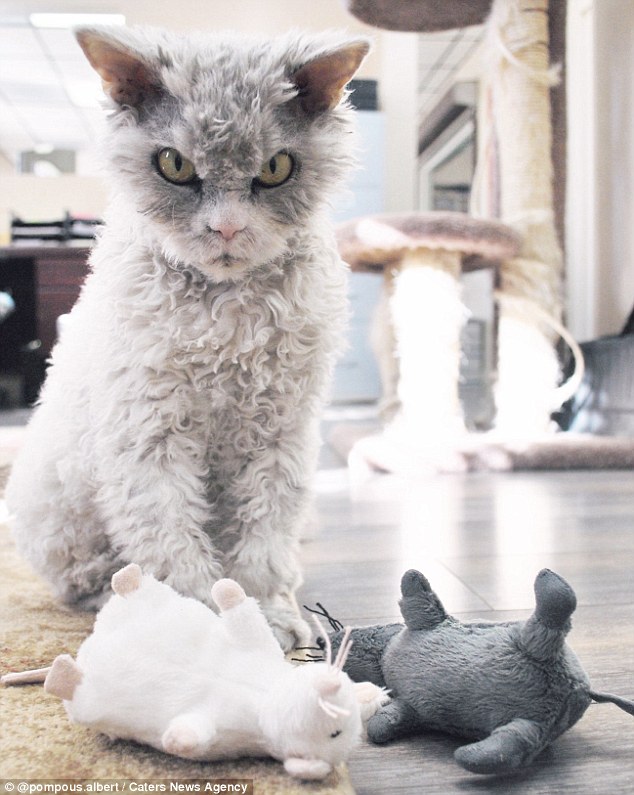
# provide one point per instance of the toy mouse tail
(33, 677)
(607, 698)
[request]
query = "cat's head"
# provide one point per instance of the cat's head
(224, 145)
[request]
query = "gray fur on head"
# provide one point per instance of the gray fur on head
(513, 686)
(228, 103)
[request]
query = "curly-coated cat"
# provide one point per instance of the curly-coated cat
(177, 427)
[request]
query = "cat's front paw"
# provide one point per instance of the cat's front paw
(289, 629)
(193, 579)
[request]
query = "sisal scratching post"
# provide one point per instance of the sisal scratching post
(428, 316)
(530, 283)
(415, 337)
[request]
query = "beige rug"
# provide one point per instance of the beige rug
(36, 739)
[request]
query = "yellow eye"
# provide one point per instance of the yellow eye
(276, 170)
(174, 167)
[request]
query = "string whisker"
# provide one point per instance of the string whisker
(332, 710)
(334, 623)
(344, 649)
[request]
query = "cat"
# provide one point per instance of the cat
(178, 424)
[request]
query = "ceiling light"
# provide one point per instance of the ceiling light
(74, 20)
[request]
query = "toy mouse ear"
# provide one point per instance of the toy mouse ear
(327, 686)
(126, 77)
(321, 82)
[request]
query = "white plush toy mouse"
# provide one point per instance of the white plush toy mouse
(165, 670)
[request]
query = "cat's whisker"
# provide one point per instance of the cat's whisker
(157, 208)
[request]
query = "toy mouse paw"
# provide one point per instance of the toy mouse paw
(413, 583)
(380, 729)
(420, 607)
(555, 599)
(227, 594)
(307, 769)
(127, 580)
(506, 749)
(64, 676)
(395, 719)
(181, 739)
(370, 698)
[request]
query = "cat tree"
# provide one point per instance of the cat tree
(422, 257)
(521, 179)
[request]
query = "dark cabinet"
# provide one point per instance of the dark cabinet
(45, 282)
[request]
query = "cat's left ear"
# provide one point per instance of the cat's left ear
(125, 76)
(321, 82)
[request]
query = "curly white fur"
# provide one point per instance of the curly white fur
(178, 424)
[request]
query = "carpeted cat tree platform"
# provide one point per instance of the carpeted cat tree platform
(520, 208)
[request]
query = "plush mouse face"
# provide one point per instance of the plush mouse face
(316, 715)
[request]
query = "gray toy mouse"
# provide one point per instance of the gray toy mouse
(513, 686)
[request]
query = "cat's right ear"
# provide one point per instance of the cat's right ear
(322, 81)
(126, 77)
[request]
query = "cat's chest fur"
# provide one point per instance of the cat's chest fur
(255, 348)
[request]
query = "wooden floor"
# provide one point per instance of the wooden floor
(481, 539)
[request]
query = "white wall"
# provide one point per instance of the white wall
(581, 254)
(600, 216)
(614, 89)
(398, 76)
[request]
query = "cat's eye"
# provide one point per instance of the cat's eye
(175, 167)
(336, 734)
(276, 171)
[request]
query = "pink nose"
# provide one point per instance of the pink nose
(227, 231)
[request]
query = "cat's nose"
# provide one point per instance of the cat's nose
(226, 231)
